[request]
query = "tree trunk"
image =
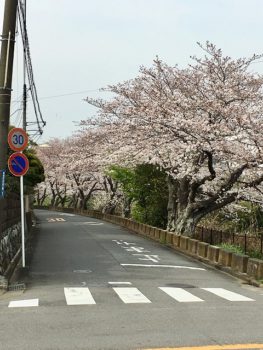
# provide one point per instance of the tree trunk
(172, 205)
(185, 209)
(127, 207)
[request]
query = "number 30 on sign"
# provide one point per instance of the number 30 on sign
(17, 139)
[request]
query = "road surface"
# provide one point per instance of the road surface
(94, 285)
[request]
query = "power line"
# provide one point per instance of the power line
(29, 68)
(68, 94)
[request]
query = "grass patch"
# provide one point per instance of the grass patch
(232, 248)
(239, 250)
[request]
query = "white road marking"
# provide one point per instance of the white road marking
(82, 271)
(180, 295)
(116, 241)
(147, 257)
(136, 249)
(168, 266)
(98, 224)
(88, 223)
(226, 294)
(56, 220)
(131, 295)
(116, 283)
(78, 296)
(64, 214)
(24, 303)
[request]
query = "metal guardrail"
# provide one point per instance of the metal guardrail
(247, 242)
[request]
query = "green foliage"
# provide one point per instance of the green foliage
(35, 173)
(232, 248)
(146, 187)
(240, 250)
(126, 177)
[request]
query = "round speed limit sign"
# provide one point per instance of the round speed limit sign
(17, 139)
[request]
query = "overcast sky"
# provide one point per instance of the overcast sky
(80, 46)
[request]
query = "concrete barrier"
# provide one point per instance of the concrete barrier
(137, 227)
(184, 242)
(169, 238)
(239, 263)
(152, 232)
(157, 234)
(192, 246)
(162, 236)
(255, 268)
(202, 249)
(176, 240)
(213, 253)
(143, 229)
(225, 257)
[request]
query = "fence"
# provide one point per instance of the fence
(247, 242)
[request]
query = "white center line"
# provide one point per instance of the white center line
(170, 266)
(115, 283)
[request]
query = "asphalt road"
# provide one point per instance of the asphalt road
(94, 285)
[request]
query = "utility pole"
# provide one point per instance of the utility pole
(6, 73)
(24, 85)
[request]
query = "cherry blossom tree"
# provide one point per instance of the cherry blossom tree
(56, 184)
(202, 125)
(72, 171)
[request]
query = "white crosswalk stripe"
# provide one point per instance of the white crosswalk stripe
(180, 295)
(78, 296)
(131, 295)
(24, 303)
(226, 294)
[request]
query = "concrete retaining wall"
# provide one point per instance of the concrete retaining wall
(176, 241)
(169, 238)
(192, 246)
(255, 268)
(202, 249)
(184, 243)
(225, 258)
(213, 253)
(239, 263)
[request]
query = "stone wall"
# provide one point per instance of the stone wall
(10, 243)
(10, 231)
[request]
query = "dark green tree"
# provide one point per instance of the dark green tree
(145, 193)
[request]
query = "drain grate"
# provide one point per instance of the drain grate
(16, 287)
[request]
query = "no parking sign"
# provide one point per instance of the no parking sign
(18, 164)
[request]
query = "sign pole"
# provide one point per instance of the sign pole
(22, 220)
(18, 165)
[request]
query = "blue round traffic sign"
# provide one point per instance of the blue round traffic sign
(18, 164)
